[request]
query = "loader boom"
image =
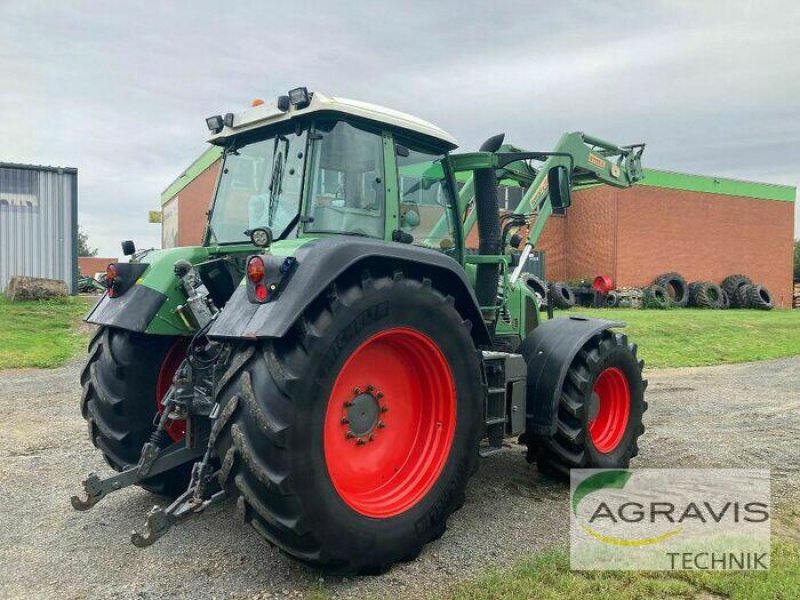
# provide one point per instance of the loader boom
(589, 160)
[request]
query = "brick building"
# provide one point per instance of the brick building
(702, 227)
(89, 265)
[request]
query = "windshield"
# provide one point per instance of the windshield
(260, 186)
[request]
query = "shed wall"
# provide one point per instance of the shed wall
(38, 223)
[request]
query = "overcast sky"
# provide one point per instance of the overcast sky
(120, 90)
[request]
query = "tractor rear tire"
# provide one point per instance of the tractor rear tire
(562, 295)
(539, 287)
(600, 410)
(760, 298)
(725, 300)
(707, 294)
(349, 442)
(655, 297)
(732, 283)
(741, 297)
(121, 382)
(676, 286)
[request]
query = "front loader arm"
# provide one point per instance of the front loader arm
(588, 159)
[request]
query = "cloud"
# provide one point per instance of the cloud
(121, 90)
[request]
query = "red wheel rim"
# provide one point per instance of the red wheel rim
(613, 397)
(173, 359)
(390, 422)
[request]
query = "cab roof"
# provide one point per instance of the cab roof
(268, 113)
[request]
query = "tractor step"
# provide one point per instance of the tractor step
(487, 451)
(505, 376)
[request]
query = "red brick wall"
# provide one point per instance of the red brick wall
(633, 235)
(193, 202)
(89, 265)
(704, 236)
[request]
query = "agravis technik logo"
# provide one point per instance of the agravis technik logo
(670, 519)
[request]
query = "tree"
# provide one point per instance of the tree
(797, 260)
(83, 244)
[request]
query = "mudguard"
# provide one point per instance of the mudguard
(548, 352)
(149, 294)
(319, 263)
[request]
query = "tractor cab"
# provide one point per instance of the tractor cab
(313, 166)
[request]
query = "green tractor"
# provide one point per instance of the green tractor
(333, 358)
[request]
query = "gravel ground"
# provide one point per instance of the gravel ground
(741, 415)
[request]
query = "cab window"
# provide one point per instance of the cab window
(426, 210)
(347, 189)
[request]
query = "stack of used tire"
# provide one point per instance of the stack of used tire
(707, 294)
(562, 295)
(743, 293)
(667, 290)
(539, 287)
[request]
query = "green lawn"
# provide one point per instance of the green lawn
(41, 334)
(547, 576)
(696, 337)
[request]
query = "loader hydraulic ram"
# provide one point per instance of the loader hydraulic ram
(333, 359)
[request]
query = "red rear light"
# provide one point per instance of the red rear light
(261, 292)
(255, 271)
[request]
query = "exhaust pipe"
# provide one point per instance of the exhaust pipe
(488, 216)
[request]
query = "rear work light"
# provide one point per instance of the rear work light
(266, 276)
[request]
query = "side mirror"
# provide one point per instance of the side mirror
(558, 187)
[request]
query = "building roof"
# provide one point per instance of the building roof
(268, 113)
(201, 163)
(718, 185)
(8, 165)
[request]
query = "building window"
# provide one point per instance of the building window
(19, 188)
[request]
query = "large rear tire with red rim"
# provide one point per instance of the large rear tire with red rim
(124, 378)
(350, 441)
(600, 410)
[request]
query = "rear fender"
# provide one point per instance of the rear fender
(322, 261)
(148, 302)
(549, 352)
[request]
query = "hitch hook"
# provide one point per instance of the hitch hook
(95, 491)
(156, 525)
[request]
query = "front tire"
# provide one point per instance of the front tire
(123, 381)
(600, 410)
(350, 441)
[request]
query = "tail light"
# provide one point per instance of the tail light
(255, 273)
(266, 276)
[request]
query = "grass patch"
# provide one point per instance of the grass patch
(41, 333)
(547, 576)
(696, 337)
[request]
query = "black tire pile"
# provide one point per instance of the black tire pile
(737, 291)
(669, 290)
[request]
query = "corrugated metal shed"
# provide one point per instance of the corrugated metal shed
(38, 223)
